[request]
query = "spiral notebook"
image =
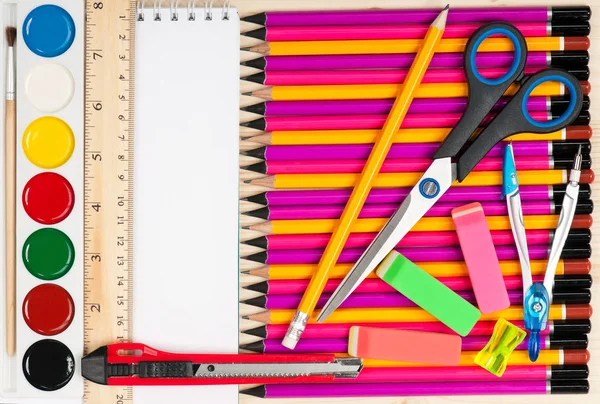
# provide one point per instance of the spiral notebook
(186, 189)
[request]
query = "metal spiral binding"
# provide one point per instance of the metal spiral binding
(157, 8)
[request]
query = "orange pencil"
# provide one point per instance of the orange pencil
(365, 182)
(383, 46)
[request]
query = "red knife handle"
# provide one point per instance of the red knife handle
(197, 381)
(130, 352)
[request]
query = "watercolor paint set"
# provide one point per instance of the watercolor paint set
(42, 172)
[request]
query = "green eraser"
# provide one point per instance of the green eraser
(428, 293)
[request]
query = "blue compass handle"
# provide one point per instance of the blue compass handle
(536, 306)
(533, 346)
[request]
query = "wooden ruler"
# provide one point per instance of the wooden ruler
(109, 95)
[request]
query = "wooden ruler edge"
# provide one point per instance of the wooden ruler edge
(100, 326)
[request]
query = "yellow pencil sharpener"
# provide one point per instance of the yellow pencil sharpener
(505, 338)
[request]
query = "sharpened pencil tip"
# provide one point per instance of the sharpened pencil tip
(247, 181)
(245, 227)
(440, 21)
(245, 49)
(245, 317)
(248, 94)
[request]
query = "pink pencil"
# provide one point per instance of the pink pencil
(470, 343)
(317, 331)
(415, 254)
(397, 165)
(471, 388)
(467, 373)
(400, 31)
(381, 76)
(416, 239)
(349, 122)
(373, 285)
(365, 300)
(491, 208)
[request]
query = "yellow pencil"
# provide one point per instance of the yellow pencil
(404, 95)
(416, 314)
(437, 269)
(377, 91)
(365, 136)
(395, 180)
(535, 222)
(520, 357)
(386, 46)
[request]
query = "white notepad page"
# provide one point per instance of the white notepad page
(186, 193)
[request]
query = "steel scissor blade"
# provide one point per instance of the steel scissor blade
(443, 173)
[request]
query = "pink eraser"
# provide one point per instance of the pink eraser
(404, 345)
(480, 256)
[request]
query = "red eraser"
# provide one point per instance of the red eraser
(480, 256)
(404, 345)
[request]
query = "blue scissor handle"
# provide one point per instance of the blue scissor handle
(514, 117)
(515, 72)
(484, 93)
(571, 85)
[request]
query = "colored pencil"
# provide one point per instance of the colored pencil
(390, 180)
(340, 345)
(407, 31)
(372, 315)
(419, 16)
(404, 165)
(293, 287)
(349, 122)
(437, 269)
(375, 91)
(469, 373)
(384, 46)
(277, 331)
(364, 182)
(497, 208)
(415, 239)
(425, 224)
(382, 106)
(551, 357)
(404, 60)
(429, 135)
(369, 300)
(397, 195)
(416, 254)
(321, 77)
(323, 390)
(411, 150)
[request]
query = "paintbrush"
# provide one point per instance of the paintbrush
(10, 191)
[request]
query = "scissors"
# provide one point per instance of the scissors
(453, 160)
(537, 296)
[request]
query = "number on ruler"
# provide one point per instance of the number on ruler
(108, 179)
